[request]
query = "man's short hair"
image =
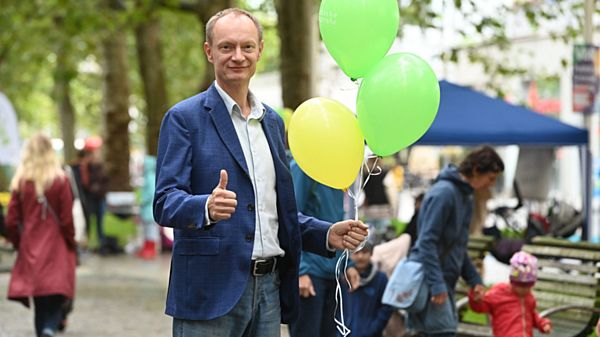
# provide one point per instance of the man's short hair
(236, 11)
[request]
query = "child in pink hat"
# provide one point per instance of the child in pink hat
(511, 306)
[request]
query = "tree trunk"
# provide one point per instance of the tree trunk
(152, 71)
(298, 51)
(63, 74)
(115, 108)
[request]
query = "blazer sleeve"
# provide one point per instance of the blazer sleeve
(174, 204)
(314, 235)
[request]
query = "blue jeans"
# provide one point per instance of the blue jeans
(47, 313)
(316, 312)
(257, 314)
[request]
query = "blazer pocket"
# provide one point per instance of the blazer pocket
(198, 246)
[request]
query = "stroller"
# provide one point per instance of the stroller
(562, 221)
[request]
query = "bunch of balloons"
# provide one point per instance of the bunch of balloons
(397, 100)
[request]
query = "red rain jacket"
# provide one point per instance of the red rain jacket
(46, 257)
(512, 315)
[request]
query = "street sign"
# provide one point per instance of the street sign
(586, 70)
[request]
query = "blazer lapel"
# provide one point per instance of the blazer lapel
(271, 132)
(222, 120)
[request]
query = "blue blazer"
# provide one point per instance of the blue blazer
(210, 265)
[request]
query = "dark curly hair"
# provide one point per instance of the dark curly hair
(481, 160)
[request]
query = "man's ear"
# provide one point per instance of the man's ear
(260, 49)
(208, 52)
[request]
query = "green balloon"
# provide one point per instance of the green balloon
(358, 33)
(397, 102)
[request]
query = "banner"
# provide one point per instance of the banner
(586, 70)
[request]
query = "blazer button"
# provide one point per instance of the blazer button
(250, 207)
(249, 237)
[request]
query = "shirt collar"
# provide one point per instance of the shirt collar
(257, 109)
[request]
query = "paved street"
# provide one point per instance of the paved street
(116, 296)
(124, 296)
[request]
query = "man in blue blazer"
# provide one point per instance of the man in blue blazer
(223, 183)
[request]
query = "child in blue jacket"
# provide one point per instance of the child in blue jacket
(364, 314)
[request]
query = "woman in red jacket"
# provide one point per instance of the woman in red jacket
(39, 223)
(512, 306)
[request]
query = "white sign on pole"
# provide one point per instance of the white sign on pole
(10, 145)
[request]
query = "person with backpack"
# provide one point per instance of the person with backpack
(39, 224)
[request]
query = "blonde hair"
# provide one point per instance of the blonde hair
(39, 164)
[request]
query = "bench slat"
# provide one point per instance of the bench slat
(548, 241)
(553, 299)
(573, 317)
(563, 252)
(567, 279)
(587, 268)
(570, 289)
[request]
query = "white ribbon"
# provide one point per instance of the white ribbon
(343, 259)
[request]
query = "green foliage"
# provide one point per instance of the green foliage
(182, 38)
(33, 33)
(269, 60)
(486, 28)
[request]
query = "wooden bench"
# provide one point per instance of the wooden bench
(567, 290)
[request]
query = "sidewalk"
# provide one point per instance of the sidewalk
(116, 296)
(120, 296)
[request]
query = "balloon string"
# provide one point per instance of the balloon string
(340, 323)
(359, 186)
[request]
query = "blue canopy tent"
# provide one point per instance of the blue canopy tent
(468, 117)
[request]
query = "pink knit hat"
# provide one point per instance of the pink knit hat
(523, 269)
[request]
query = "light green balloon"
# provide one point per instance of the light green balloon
(397, 102)
(358, 33)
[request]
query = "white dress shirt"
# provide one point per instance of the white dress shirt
(262, 173)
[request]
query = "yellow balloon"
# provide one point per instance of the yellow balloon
(326, 142)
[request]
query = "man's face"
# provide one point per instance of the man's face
(234, 50)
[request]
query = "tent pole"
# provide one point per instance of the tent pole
(586, 172)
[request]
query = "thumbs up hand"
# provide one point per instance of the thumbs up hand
(221, 202)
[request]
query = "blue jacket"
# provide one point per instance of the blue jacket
(364, 313)
(443, 225)
(210, 265)
(322, 202)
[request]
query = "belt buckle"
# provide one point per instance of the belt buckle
(255, 267)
